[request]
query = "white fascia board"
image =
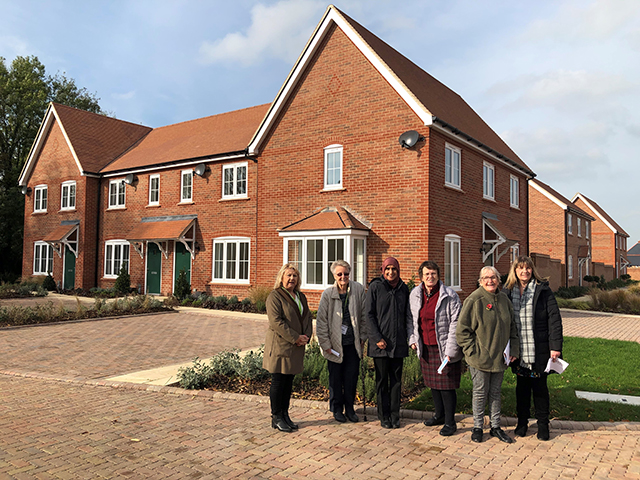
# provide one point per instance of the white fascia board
(551, 197)
(300, 67)
(36, 148)
(595, 211)
(325, 233)
(155, 168)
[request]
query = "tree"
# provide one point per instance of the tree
(25, 93)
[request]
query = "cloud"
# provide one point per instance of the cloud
(12, 46)
(279, 31)
(124, 96)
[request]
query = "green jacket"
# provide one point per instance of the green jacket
(485, 326)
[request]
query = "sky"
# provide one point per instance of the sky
(558, 80)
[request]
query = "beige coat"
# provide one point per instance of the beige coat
(329, 320)
(286, 324)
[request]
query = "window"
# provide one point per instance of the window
(488, 181)
(313, 257)
(452, 166)
(570, 267)
(578, 226)
(154, 190)
(333, 167)
(231, 260)
(116, 194)
(40, 199)
(116, 253)
(452, 261)
(234, 180)
(570, 224)
(586, 229)
(42, 258)
(515, 253)
(186, 186)
(68, 197)
(515, 192)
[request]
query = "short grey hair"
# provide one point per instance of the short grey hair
(339, 263)
(491, 269)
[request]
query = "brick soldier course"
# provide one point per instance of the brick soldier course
(61, 419)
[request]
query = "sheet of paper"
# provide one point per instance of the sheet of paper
(337, 354)
(344, 329)
(444, 364)
(507, 353)
(558, 366)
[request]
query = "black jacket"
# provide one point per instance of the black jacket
(388, 317)
(547, 324)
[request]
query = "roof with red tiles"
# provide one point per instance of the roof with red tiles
(329, 218)
(599, 211)
(59, 233)
(572, 207)
(161, 230)
(225, 133)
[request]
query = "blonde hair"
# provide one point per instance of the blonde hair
(522, 262)
(281, 272)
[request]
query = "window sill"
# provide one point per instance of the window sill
(453, 187)
(153, 206)
(110, 277)
(489, 199)
(189, 202)
(233, 199)
(328, 190)
(40, 212)
(116, 208)
(66, 210)
(39, 274)
(230, 283)
(515, 207)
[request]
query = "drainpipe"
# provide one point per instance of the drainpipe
(97, 249)
(566, 248)
(255, 249)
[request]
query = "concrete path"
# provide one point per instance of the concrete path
(61, 418)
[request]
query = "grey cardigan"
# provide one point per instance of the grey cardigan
(447, 311)
(329, 320)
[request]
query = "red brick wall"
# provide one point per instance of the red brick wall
(550, 268)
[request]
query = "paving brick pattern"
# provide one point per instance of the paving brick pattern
(601, 325)
(62, 425)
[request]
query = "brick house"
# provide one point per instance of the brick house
(609, 240)
(317, 175)
(560, 229)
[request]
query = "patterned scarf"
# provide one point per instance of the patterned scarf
(523, 310)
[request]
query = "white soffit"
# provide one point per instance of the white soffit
(551, 197)
(595, 210)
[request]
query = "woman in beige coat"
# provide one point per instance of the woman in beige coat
(289, 331)
(340, 327)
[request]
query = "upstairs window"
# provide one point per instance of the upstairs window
(68, 197)
(40, 198)
(488, 183)
(570, 224)
(117, 194)
(570, 267)
(514, 192)
(333, 167)
(186, 186)
(579, 226)
(154, 190)
(42, 258)
(452, 166)
(586, 229)
(234, 180)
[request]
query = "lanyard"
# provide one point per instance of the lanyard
(295, 299)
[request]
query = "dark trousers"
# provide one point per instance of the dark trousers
(444, 402)
(343, 379)
(388, 386)
(280, 393)
(525, 386)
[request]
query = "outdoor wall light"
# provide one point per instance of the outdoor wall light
(26, 190)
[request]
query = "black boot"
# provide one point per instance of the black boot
(278, 422)
(287, 419)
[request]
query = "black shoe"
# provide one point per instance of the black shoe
(385, 423)
(448, 430)
(521, 430)
(500, 435)
(287, 419)
(476, 435)
(543, 432)
(433, 421)
(277, 421)
(352, 417)
(339, 416)
(395, 423)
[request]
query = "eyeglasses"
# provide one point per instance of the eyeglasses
(493, 277)
(342, 274)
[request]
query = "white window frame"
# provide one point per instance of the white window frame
(488, 181)
(570, 224)
(452, 166)
(38, 248)
(515, 252)
(184, 198)
(570, 267)
(234, 169)
(112, 265)
(586, 229)
(151, 189)
(330, 150)
(451, 271)
(514, 191)
(120, 194)
(69, 196)
(579, 226)
(349, 237)
(40, 198)
(225, 242)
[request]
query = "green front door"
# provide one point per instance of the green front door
(182, 261)
(154, 263)
(69, 282)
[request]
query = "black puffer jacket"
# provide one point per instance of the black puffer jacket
(388, 317)
(547, 324)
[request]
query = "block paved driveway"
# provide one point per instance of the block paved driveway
(59, 419)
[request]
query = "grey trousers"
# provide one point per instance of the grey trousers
(486, 387)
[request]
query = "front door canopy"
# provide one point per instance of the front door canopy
(161, 230)
(496, 237)
(64, 235)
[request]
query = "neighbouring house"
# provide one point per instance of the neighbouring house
(633, 255)
(560, 229)
(608, 239)
(361, 155)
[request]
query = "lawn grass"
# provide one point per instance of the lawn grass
(595, 365)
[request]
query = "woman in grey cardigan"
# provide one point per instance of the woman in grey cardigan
(340, 327)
